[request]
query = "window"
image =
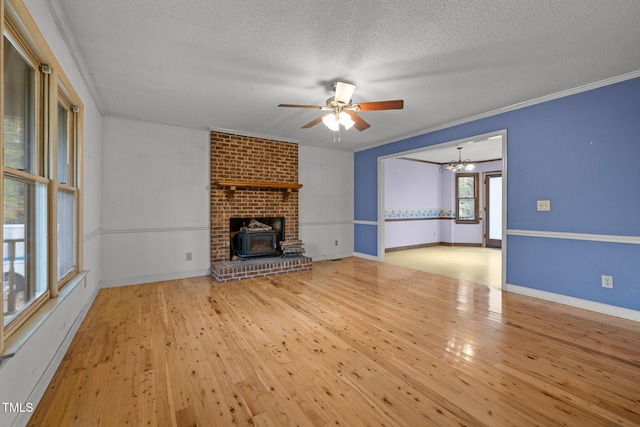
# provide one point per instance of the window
(40, 180)
(467, 198)
(67, 203)
(24, 267)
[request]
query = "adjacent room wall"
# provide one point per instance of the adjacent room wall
(578, 151)
(420, 206)
(413, 203)
(155, 202)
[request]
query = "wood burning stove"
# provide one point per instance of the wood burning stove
(253, 237)
(256, 243)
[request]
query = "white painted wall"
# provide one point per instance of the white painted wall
(326, 202)
(155, 200)
(24, 378)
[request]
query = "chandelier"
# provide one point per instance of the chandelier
(460, 164)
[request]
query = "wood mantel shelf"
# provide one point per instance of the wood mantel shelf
(231, 186)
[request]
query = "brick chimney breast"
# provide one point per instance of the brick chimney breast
(245, 158)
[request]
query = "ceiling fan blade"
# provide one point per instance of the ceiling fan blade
(397, 104)
(344, 92)
(312, 123)
(360, 124)
(315, 107)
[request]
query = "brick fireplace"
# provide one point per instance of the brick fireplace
(237, 159)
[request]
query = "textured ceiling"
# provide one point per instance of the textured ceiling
(228, 64)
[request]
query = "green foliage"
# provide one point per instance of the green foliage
(14, 156)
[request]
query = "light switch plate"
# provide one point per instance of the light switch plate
(544, 205)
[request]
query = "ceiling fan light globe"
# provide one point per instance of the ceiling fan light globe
(330, 121)
(346, 120)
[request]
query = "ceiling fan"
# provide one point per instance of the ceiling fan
(343, 111)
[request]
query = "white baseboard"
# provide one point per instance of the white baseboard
(366, 256)
(148, 279)
(598, 307)
(328, 257)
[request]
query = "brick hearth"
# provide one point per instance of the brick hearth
(256, 267)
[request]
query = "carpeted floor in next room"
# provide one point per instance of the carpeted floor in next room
(479, 265)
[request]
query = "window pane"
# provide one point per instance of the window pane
(63, 145)
(466, 187)
(19, 111)
(24, 247)
(466, 209)
(66, 233)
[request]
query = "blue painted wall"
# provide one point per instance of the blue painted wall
(581, 152)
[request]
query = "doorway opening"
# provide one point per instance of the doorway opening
(417, 210)
(493, 210)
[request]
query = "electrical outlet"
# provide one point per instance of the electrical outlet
(544, 205)
(189, 256)
(607, 281)
(336, 243)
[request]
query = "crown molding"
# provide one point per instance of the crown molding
(253, 135)
(69, 40)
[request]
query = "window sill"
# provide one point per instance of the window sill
(468, 222)
(31, 326)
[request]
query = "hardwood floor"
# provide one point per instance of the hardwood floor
(350, 343)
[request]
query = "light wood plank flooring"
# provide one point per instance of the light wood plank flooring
(478, 265)
(351, 343)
